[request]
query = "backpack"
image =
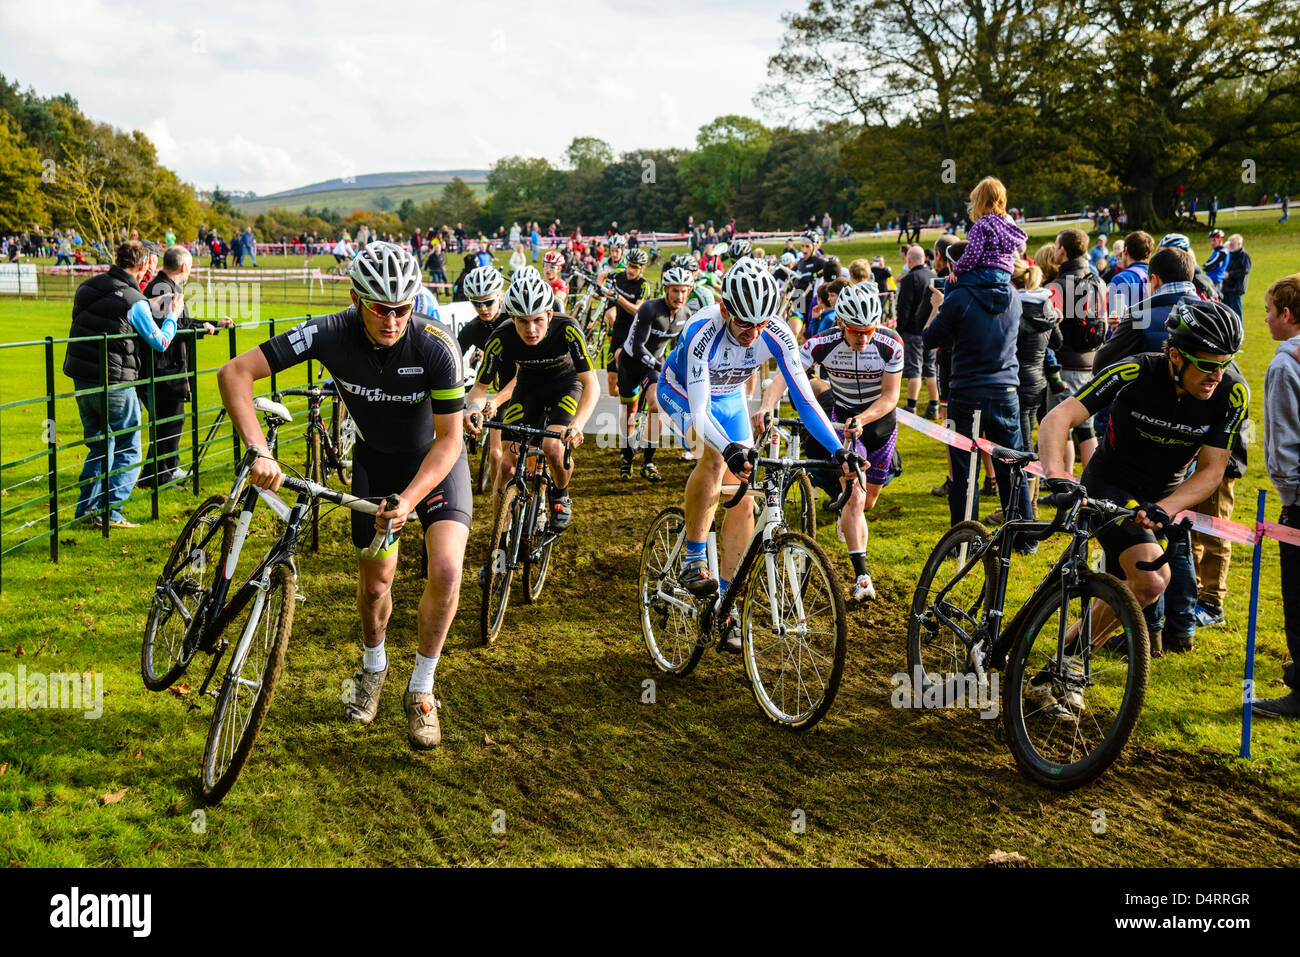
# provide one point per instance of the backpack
(1083, 317)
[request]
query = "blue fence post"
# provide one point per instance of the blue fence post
(51, 436)
(1248, 684)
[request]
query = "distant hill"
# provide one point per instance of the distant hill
(369, 191)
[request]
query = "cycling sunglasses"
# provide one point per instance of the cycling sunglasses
(385, 311)
(1206, 366)
(742, 324)
(481, 304)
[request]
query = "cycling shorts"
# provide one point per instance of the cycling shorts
(1118, 538)
(633, 377)
(543, 405)
(376, 474)
(729, 412)
(878, 459)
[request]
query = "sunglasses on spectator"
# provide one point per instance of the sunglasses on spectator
(385, 311)
(1207, 366)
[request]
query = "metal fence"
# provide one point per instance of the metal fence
(42, 464)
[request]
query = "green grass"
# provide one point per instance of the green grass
(548, 725)
(346, 200)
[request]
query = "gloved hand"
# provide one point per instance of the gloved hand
(737, 458)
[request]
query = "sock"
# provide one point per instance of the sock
(859, 560)
(696, 550)
(628, 452)
(911, 405)
(422, 676)
(648, 455)
(376, 658)
(561, 492)
(723, 585)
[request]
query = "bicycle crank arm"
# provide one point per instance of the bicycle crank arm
(679, 604)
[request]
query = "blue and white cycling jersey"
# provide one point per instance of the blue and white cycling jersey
(709, 366)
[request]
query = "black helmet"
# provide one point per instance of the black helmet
(1202, 326)
(739, 248)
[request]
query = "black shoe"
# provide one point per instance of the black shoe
(942, 490)
(1179, 642)
(625, 470)
(932, 411)
(989, 488)
(695, 578)
(650, 473)
(1288, 706)
(731, 642)
(561, 513)
(174, 477)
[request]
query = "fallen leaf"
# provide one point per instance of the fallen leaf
(223, 844)
(113, 798)
(502, 843)
(154, 845)
(181, 689)
(19, 651)
(1007, 859)
(139, 753)
(3, 769)
(487, 740)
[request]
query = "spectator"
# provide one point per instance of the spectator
(1097, 255)
(823, 311)
(913, 309)
(1282, 459)
(111, 303)
(437, 263)
(883, 277)
(826, 224)
(1217, 265)
(1142, 328)
(1236, 273)
(1080, 297)
(1214, 213)
(1130, 284)
(460, 235)
(515, 234)
(1039, 331)
(1286, 208)
(168, 407)
(64, 257)
(993, 237)
(1045, 260)
(535, 241)
(517, 258)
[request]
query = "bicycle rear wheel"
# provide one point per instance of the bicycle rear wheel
(535, 571)
(800, 505)
(249, 685)
(1068, 720)
(191, 570)
(343, 436)
(671, 633)
(936, 651)
(496, 590)
(794, 633)
(315, 473)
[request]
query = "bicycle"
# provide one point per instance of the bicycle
(193, 609)
(800, 502)
(521, 535)
(328, 449)
(1068, 706)
(793, 624)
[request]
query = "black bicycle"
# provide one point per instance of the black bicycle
(1070, 697)
(792, 621)
(329, 448)
(194, 610)
(521, 534)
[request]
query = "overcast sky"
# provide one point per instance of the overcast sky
(261, 96)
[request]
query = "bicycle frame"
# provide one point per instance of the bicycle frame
(530, 463)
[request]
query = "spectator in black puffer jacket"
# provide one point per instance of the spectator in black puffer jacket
(1040, 330)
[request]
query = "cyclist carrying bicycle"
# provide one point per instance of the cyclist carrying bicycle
(541, 357)
(656, 324)
(399, 374)
(863, 368)
(701, 387)
(1166, 409)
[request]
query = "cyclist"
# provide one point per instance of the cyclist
(630, 290)
(655, 325)
(738, 249)
(484, 287)
(701, 387)
(614, 261)
(399, 374)
(862, 365)
(1165, 410)
(552, 264)
(541, 357)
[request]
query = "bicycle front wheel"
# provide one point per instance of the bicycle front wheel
(496, 588)
(343, 436)
(671, 632)
(941, 630)
(535, 569)
(1069, 710)
(483, 478)
(249, 685)
(190, 572)
(315, 473)
(793, 632)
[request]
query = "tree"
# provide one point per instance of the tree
(458, 203)
(718, 178)
(406, 210)
(21, 200)
(522, 189)
(588, 152)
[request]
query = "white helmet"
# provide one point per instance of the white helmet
(523, 271)
(676, 276)
(789, 259)
(385, 272)
(528, 295)
(482, 282)
(749, 292)
(618, 241)
(859, 306)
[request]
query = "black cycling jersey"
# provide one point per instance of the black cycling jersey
(561, 353)
(653, 327)
(807, 270)
(1153, 433)
(855, 377)
(634, 290)
(392, 392)
(475, 333)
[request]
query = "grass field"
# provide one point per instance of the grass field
(548, 726)
(346, 200)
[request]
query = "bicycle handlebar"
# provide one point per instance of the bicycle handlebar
(537, 433)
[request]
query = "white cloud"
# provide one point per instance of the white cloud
(268, 97)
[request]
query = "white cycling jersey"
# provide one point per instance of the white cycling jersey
(709, 364)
